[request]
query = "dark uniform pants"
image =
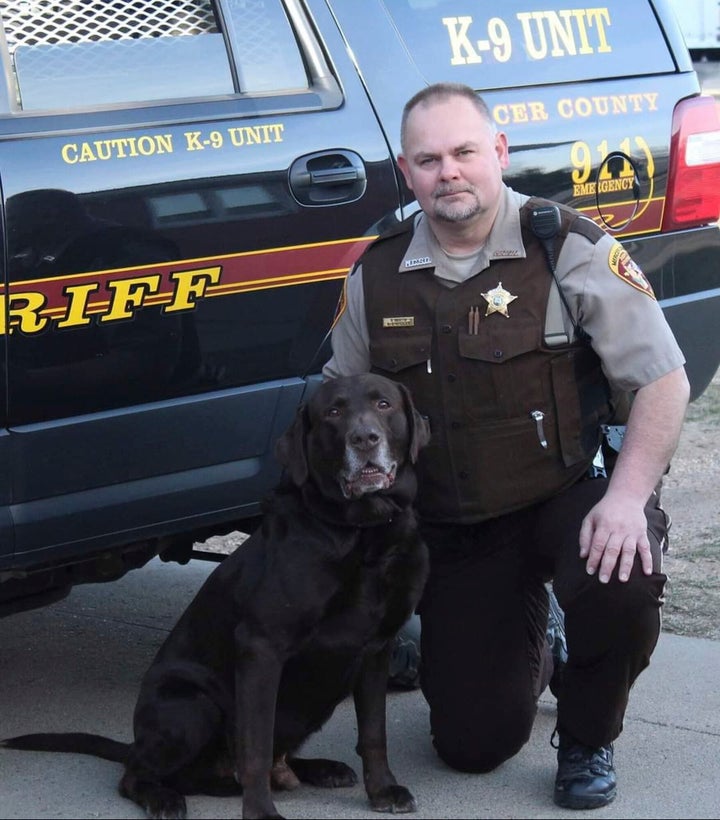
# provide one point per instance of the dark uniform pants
(484, 616)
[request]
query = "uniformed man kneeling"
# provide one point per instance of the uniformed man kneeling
(517, 323)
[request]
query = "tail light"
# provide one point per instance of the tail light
(693, 192)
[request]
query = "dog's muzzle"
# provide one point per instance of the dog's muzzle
(367, 479)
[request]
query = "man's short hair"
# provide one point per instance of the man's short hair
(441, 92)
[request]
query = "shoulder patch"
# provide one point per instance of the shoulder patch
(622, 265)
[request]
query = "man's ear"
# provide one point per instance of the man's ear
(502, 150)
(404, 167)
(290, 447)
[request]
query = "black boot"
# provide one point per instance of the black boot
(585, 777)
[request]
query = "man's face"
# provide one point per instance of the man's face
(453, 161)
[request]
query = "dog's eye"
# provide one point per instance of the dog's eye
(383, 404)
(332, 412)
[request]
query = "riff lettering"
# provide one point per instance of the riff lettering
(29, 312)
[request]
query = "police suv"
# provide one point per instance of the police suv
(185, 183)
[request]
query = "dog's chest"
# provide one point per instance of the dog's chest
(379, 585)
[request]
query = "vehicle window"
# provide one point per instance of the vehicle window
(79, 55)
(465, 41)
(268, 55)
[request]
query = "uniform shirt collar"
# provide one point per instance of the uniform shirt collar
(504, 240)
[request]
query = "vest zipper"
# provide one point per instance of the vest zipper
(537, 416)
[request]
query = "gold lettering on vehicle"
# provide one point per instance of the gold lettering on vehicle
(147, 145)
(520, 113)
(543, 34)
(463, 51)
(583, 107)
(129, 294)
(554, 33)
(77, 296)
(118, 299)
(584, 159)
(607, 105)
(23, 311)
(153, 145)
(256, 135)
(191, 285)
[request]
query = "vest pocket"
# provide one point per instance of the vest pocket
(499, 344)
(400, 349)
(500, 392)
(498, 467)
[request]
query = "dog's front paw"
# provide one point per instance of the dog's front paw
(395, 799)
(327, 774)
(260, 813)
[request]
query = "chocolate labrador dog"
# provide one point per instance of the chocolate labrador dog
(291, 623)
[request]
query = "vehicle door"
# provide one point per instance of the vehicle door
(185, 186)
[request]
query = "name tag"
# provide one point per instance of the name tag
(421, 260)
(398, 321)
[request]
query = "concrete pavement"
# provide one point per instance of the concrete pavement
(77, 664)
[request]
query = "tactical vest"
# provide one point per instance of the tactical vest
(513, 420)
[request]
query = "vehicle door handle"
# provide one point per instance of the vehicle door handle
(332, 176)
(328, 177)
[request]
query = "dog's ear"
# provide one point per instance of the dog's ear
(290, 447)
(418, 425)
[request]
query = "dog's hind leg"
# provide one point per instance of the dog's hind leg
(180, 743)
(157, 800)
(282, 777)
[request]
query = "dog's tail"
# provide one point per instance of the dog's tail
(77, 742)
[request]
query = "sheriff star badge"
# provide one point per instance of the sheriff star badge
(498, 300)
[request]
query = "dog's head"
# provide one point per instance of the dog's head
(356, 436)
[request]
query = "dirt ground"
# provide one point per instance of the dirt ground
(691, 496)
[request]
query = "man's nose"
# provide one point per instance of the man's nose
(449, 168)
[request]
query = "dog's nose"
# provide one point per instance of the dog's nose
(364, 437)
